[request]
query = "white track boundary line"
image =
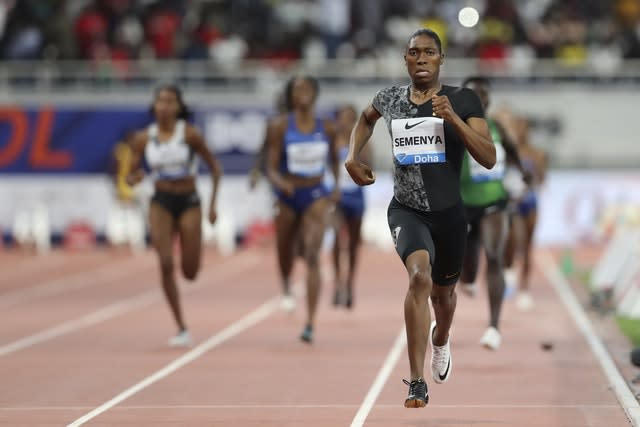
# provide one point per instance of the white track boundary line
(248, 321)
(116, 309)
(383, 375)
(618, 384)
(91, 277)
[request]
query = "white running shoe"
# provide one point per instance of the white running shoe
(491, 339)
(511, 278)
(469, 289)
(440, 359)
(524, 301)
(288, 303)
(183, 339)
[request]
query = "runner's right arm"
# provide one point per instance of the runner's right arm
(361, 173)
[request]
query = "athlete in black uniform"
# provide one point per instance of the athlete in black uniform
(430, 127)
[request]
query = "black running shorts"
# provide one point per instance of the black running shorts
(443, 234)
(475, 213)
(176, 203)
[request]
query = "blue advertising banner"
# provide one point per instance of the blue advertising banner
(81, 140)
(235, 135)
(63, 141)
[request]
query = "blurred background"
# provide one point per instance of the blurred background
(77, 77)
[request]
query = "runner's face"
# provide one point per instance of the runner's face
(166, 106)
(303, 93)
(423, 59)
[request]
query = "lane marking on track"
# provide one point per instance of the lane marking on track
(98, 316)
(79, 280)
(30, 263)
(122, 307)
(253, 318)
(562, 287)
(383, 375)
(307, 406)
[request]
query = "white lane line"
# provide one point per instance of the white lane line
(248, 321)
(90, 319)
(31, 263)
(95, 276)
(249, 406)
(381, 379)
(562, 287)
(119, 308)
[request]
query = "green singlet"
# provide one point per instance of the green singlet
(480, 186)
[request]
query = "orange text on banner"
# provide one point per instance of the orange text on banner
(40, 156)
(17, 119)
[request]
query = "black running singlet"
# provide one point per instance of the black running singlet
(427, 151)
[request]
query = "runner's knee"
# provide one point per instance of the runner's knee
(190, 270)
(420, 280)
(312, 258)
(444, 297)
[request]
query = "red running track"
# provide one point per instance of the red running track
(83, 340)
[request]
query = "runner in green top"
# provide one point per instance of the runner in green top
(480, 186)
(485, 198)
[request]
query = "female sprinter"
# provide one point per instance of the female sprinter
(349, 212)
(169, 147)
(430, 125)
(299, 145)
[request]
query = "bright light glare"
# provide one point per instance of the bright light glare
(468, 17)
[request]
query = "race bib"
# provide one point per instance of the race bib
(418, 140)
(514, 183)
(172, 172)
(169, 160)
(307, 158)
(481, 174)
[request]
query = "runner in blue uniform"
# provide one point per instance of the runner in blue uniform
(348, 213)
(299, 146)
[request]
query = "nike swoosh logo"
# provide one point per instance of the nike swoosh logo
(449, 276)
(442, 377)
(407, 126)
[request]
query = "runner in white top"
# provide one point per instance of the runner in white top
(169, 147)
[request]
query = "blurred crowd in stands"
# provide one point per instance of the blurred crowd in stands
(228, 31)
